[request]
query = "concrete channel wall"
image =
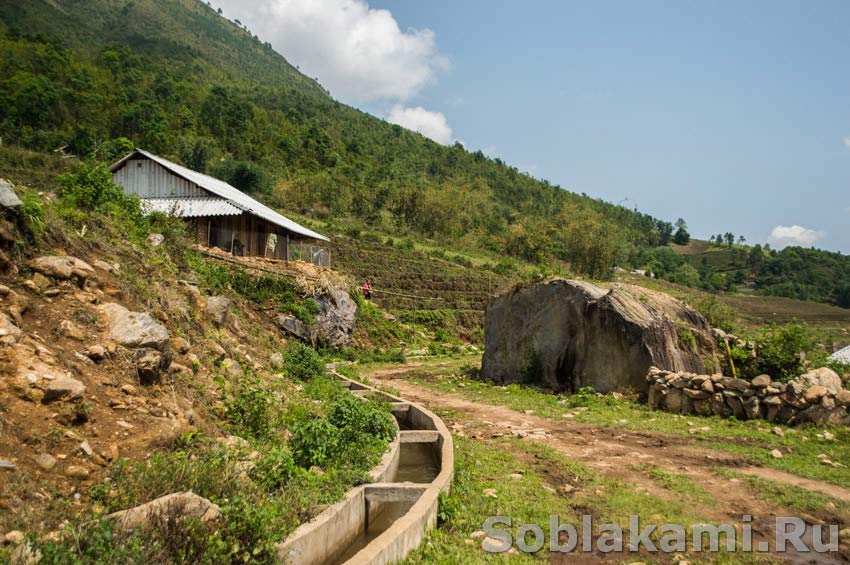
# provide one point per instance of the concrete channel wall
(409, 509)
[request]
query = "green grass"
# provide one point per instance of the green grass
(678, 483)
(751, 440)
(525, 478)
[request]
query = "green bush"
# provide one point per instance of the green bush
(315, 442)
(32, 215)
(782, 350)
(302, 362)
(250, 410)
(356, 417)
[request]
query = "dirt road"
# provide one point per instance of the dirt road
(619, 454)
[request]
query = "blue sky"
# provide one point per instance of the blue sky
(733, 115)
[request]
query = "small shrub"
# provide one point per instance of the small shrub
(315, 442)
(302, 362)
(250, 410)
(356, 417)
(782, 350)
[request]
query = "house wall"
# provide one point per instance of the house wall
(250, 231)
(149, 179)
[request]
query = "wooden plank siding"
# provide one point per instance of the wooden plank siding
(251, 231)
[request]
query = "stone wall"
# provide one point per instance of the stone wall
(818, 397)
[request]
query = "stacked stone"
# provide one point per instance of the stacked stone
(816, 397)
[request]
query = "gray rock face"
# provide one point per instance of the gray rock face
(334, 321)
(135, 329)
(180, 505)
(570, 334)
(63, 388)
(60, 267)
(217, 309)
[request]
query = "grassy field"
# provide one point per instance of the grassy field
(498, 474)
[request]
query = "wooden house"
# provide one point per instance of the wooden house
(220, 215)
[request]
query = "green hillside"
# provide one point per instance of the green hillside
(97, 76)
(793, 272)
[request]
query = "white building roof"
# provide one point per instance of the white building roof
(190, 207)
(842, 355)
(219, 188)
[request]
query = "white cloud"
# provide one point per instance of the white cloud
(430, 124)
(783, 236)
(359, 53)
(847, 141)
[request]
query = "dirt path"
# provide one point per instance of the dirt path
(619, 454)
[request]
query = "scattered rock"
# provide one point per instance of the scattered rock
(59, 267)
(135, 329)
(102, 265)
(96, 352)
(231, 368)
(181, 345)
(41, 281)
(71, 330)
(179, 506)
(217, 309)
(843, 398)
(13, 538)
(276, 359)
(490, 492)
(45, 461)
(150, 364)
(63, 388)
(25, 554)
(7, 466)
(155, 239)
(10, 334)
(778, 431)
(776, 454)
(77, 472)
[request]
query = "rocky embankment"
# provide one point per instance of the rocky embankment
(570, 334)
(817, 397)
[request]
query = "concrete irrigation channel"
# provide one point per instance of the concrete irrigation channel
(382, 522)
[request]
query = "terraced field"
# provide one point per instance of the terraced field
(408, 282)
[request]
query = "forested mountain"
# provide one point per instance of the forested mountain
(95, 77)
(177, 78)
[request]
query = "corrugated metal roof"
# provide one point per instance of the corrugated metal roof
(190, 207)
(842, 355)
(8, 198)
(224, 190)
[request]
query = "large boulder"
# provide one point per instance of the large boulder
(177, 506)
(135, 329)
(570, 334)
(333, 322)
(335, 318)
(61, 267)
